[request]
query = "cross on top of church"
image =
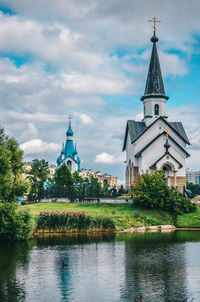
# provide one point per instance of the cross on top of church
(154, 20)
(70, 118)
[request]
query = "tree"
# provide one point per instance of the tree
(105, 188)
(63, 177)
(151, 191)
(37, 175)
(194, 188)
(93, 188)
(12, 184)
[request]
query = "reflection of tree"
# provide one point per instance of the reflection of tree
(155, 268)
(11, 256)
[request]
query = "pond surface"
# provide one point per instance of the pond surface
(157, 266)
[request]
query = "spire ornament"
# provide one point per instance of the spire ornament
(70, 118)
(154, 20)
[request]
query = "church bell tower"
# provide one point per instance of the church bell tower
(154, 98)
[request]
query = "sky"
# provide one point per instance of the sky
(90, 59)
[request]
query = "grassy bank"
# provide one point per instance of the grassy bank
(123, 215)
(190, 220)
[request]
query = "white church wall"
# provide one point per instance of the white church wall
(74, 165)
(129, 151)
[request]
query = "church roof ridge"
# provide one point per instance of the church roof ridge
(152, 141)
(154, 84)
(137, 128)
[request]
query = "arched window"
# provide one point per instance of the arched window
(156, 109)
(69, 164)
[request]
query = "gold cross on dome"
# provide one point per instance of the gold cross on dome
(70, 118)
(154, 20)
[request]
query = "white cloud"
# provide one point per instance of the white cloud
(85, 119)
(105, 158)
(84, 58)
(37, 146)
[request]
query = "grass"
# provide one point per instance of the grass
(190, 220)
(124, 215)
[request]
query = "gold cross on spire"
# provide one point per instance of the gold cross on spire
(70, 118)
(154, 20)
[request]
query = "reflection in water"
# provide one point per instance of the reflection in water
(155, 268)
(158, 266)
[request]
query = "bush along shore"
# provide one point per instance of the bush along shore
(73, 222)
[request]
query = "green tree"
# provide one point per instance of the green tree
(93, 188)
(12, 184)
(151, 191)
(37, 175)
(63, 177)
(105, 188)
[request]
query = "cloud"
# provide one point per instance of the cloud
(85, 119)
(37, 146)
(105, 158)
(90, 59)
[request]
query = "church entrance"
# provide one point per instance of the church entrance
(167, 169)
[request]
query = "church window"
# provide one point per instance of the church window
(69, 164)
(156, 109)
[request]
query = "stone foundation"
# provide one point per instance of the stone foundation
(179, 182)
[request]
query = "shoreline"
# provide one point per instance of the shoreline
(146, 229)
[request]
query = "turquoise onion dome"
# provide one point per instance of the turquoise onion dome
(59, 159)
(63, 150)
(75, 151)
(69, 131)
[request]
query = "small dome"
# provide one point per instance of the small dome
(69, 131)
(63, 151)
(59, 159)
(154, 39)
(167, 145)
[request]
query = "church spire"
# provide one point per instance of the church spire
(154, 85)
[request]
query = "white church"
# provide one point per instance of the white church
(155, 142)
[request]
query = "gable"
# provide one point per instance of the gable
(137, 129)
(153, 140)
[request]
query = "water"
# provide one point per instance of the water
(157, 266)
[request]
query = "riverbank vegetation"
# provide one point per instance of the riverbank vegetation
(15, 225)
(62, 221)
(123, 215)
(151, 191)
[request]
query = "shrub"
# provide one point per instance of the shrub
(151, 191)
(14, 225)
(71, 220)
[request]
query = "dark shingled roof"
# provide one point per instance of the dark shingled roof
(178, 126)
(154, 84)
(136, 129)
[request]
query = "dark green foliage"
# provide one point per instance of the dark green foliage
(63, 177)
(12, 184)
(194, 188)
(37, 176)
(151, 191)
(14, 225)
(72, 220)
(121, 191)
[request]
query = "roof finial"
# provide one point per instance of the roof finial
(70, 118)
(154, 20)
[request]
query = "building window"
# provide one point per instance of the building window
(156, 109)
(69, 164)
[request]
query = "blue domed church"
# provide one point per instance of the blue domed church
(69, 154)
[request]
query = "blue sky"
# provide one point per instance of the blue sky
(90, 59)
